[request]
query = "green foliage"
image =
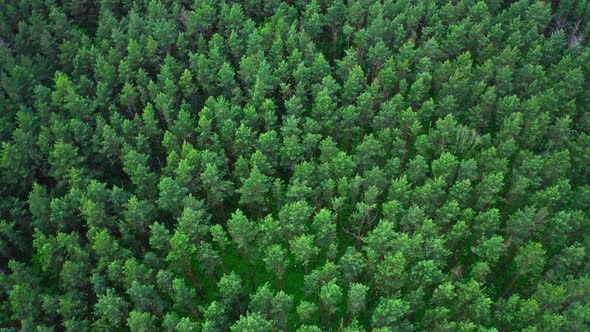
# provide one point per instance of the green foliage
(294, 166)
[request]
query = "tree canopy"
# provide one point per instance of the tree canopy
(324, 165)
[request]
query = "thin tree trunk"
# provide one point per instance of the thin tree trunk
(329, 320)
(193, 311)
(500, 270)
(321, 316)
(193, 278)
(239, 307)
(222, 208)
(280, 283)
(223, 266)
(250, 274)
(509, 288)
(334, 43)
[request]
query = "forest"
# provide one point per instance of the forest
(296, 166)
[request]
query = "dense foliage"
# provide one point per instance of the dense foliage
(343, 165)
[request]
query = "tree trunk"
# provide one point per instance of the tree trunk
(193, 278)
(250, 274)
(329, 320)
(280, 283)
(509, 288)
(321, 315)
(222, 208)
(334, 43)
(222, 257)
(500, 270)
(193, 311)
(239, 307)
